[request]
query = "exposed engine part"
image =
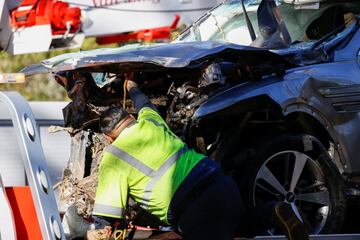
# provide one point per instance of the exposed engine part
(190, 95)
(159, 101)
(212, 75)
(186, 99)
(217, 75)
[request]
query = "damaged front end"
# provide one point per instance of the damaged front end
(178, 86)
(262, 114)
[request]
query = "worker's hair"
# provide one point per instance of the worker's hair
(110, 118)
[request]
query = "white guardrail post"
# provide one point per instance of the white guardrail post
(28, 138)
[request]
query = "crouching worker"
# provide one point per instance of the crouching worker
(152, 165)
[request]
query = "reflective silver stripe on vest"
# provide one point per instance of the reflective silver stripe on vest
(155, 175)
(134, 162)
(156, 123)
(108, 210)
(160, 172)
(162, 125)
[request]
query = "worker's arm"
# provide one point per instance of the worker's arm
(139, 99)
(146, 110)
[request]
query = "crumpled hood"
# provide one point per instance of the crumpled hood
(151, 57)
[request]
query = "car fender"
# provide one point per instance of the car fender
(297, 91)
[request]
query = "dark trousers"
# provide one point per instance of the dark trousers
(213, 211)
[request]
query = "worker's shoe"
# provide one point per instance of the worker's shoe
(292, 226)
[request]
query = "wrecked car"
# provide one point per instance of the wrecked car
(271, 91)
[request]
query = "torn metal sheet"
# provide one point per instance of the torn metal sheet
(157, 56)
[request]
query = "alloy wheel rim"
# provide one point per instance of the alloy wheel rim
(295, 178)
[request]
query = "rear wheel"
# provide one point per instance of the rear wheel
(295, 169)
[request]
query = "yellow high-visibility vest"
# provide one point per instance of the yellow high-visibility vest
(148, 162)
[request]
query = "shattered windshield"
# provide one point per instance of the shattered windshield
(224, 23)
(303, 23)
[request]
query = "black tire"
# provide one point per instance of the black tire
(278, 153)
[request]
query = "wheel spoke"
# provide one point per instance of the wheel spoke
(267, 190)
(286, 166)
(269, 177)
(300, 161)
(322, 197)
(317, 184)
(296, 211)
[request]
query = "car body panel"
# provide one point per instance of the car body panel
(313, 72)
(237, 103)
(157, 56)
(304, 89)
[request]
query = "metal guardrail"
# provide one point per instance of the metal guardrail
(28, 138)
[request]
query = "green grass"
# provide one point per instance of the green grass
(40, 87)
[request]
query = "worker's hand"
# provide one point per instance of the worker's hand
(129, 77)
(131, 84)
(99, 234)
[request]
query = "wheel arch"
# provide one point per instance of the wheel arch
(293, 117)
(305, 119)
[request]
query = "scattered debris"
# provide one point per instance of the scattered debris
(79, 193)
(79, 181)
(74, 225)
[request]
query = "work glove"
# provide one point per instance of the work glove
(130, 81)
(107, 227)
(99, 234)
